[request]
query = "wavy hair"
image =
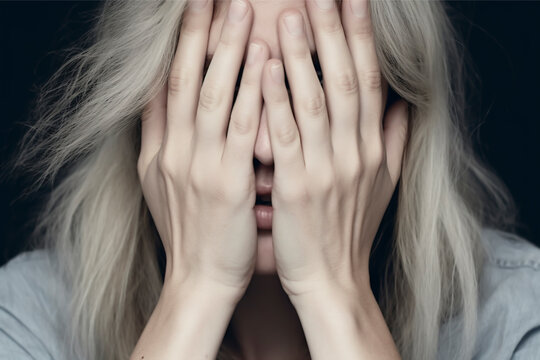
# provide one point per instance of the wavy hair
(86, 127)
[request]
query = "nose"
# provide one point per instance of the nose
(263, 148)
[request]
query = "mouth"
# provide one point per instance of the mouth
(264, 199)
(264, 210)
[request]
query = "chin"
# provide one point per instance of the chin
(265, 263)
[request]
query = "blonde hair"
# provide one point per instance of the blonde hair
(96, 221)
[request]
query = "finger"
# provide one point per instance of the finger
(396, 124)
(308, 96)
(339, 75)
(153, 123)
(217, 91)
(284, 134)
(359, 33)
(246, 113)
(186, 71)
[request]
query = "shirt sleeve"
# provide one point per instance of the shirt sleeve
(529, 346)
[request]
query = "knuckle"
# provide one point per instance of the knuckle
(297, 193)
(250, 82)
(166, 164)
(372, 79)
(324, 181)
(179, 78)
(301, 55)
(286, 135)
(353, 170)
(331, 27)
(363, 30)
(198, 179)
(375, 155)
(314, 105)
(190, 28)
(241, 124)
(210, 98)
(227, 42)
(346, 82)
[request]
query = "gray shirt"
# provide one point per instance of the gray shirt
(33, 299)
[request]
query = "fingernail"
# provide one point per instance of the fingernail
(198, 5)
(237, 11)
(359, 7)
(277, 73)
(294, 24)
(253, 53)
(325, 4)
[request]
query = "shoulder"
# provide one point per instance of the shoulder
(509, 289)
(509, 251)
(511, 272)
(32, 302)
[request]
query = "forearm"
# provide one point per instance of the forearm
(187, 323)
(338, 326)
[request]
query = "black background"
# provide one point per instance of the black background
(502, 38)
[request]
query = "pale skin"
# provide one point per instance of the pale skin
(333, 167)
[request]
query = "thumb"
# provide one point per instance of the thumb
(396, 123)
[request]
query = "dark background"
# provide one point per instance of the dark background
(502, 38)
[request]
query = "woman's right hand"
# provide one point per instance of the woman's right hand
(199, 184)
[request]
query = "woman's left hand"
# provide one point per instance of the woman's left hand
(336, 160)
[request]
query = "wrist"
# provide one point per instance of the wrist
(200, 290)
(352, 321)
(339, 305)
(331, 294)
(184, 311)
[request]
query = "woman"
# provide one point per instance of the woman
(384, 236)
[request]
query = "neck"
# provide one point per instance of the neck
(265, 323)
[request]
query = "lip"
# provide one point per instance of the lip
(263, 216)
(262, 189)
(263, 179)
